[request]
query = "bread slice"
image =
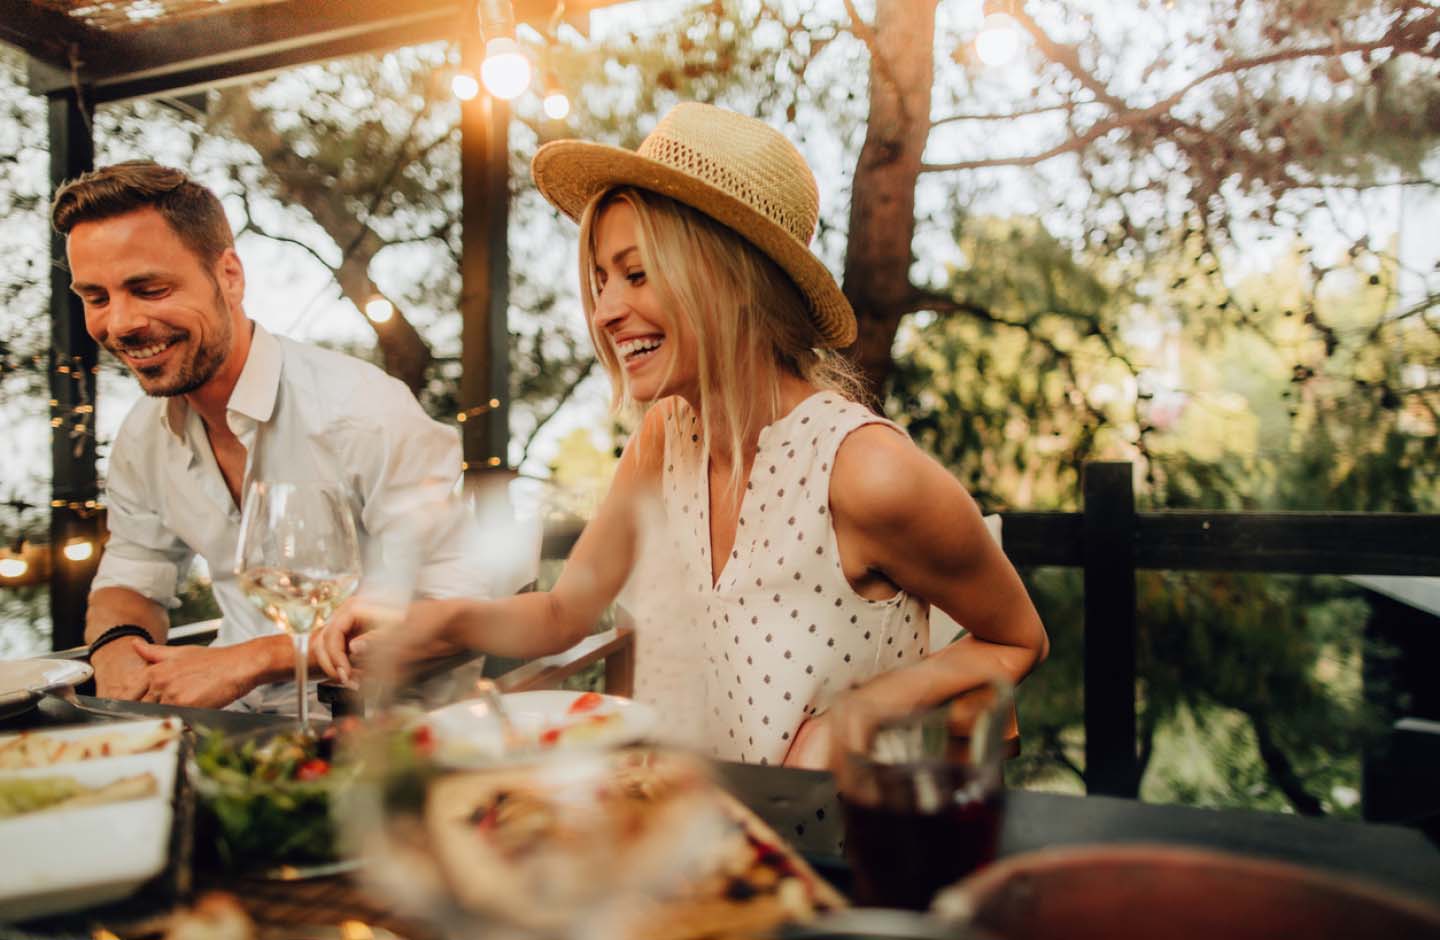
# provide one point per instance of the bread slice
(40, 749)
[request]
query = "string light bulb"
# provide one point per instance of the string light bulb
(13, 567)
(464, 86)
(557, 106)
(998, 40)
(79, 549)
(378, 308)
(506, 72)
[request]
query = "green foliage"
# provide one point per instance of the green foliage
(1259, 674)
(1007, 397)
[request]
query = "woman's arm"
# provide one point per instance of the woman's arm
(901, 517)
(539, 623)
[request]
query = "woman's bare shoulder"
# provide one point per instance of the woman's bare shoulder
(881, 478)
(644, 452)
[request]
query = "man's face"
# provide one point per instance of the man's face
(152, 302)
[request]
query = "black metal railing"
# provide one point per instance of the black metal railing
(1110, 541)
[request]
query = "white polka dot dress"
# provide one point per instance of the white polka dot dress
(742, 663)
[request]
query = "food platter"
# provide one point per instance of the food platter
(641, 841)
(70, 852)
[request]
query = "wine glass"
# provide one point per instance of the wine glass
(297, 560)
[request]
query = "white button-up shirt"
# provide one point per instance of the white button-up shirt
(302, 413)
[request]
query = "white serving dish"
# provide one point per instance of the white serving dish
(64, 860)
(469, 731)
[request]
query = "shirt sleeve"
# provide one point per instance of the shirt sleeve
(142, 554)
(411, 517)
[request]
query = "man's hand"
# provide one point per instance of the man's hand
(198, 676)
(120, 671)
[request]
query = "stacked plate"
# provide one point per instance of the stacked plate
(23, 681)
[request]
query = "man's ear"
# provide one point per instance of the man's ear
(230, 275)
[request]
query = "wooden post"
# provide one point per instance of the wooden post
(1111, 764)
(73, 362)
(484, 274)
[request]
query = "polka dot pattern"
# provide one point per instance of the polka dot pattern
(799, 633)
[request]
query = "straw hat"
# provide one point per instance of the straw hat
(735, 169)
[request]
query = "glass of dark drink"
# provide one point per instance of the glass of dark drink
(923, 796)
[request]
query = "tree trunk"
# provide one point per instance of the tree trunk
(1282, 773)
(882, 204)
(403, 351)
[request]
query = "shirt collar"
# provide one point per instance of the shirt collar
(254, 393)
(259, 383)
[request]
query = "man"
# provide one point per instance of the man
(152, 257)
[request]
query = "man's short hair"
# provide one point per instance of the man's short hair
(191, 210)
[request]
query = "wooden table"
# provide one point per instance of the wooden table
(1395, 857)
(801, 807)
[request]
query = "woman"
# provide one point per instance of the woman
(804, 536)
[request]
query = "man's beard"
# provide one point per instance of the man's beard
(200, 368)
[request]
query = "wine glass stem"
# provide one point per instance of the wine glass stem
(302, 679)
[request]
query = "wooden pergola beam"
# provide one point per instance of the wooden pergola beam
(173, 57)
(246, 42)
(43, 33)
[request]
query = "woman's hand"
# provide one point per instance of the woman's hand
(333, 643)
(847, 727)
(358, 631)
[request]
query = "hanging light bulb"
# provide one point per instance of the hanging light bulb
(557, 106)
(13, 567)
(79, 549)
(998, 39)
(505, 73)
(377, 308)
(464, 86)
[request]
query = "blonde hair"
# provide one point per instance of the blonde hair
(748, 321)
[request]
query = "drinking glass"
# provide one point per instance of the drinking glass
(923, 795)
(297, 560)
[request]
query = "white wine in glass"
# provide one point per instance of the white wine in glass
(297, 560)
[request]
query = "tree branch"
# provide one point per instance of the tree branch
(1027, 112)
(1129, 118)
(1055, 750)
(1281, 771)
(1067, 56)
(250, 226)
(559, 403)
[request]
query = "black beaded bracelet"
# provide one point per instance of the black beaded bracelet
(118, 631)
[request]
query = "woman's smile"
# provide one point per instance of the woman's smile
(636, 351)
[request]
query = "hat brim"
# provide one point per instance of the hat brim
(570, 173)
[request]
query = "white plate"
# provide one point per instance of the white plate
(66, 860)
(469, 730)
(22, 681)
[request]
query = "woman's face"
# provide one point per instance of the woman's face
(657, 360)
